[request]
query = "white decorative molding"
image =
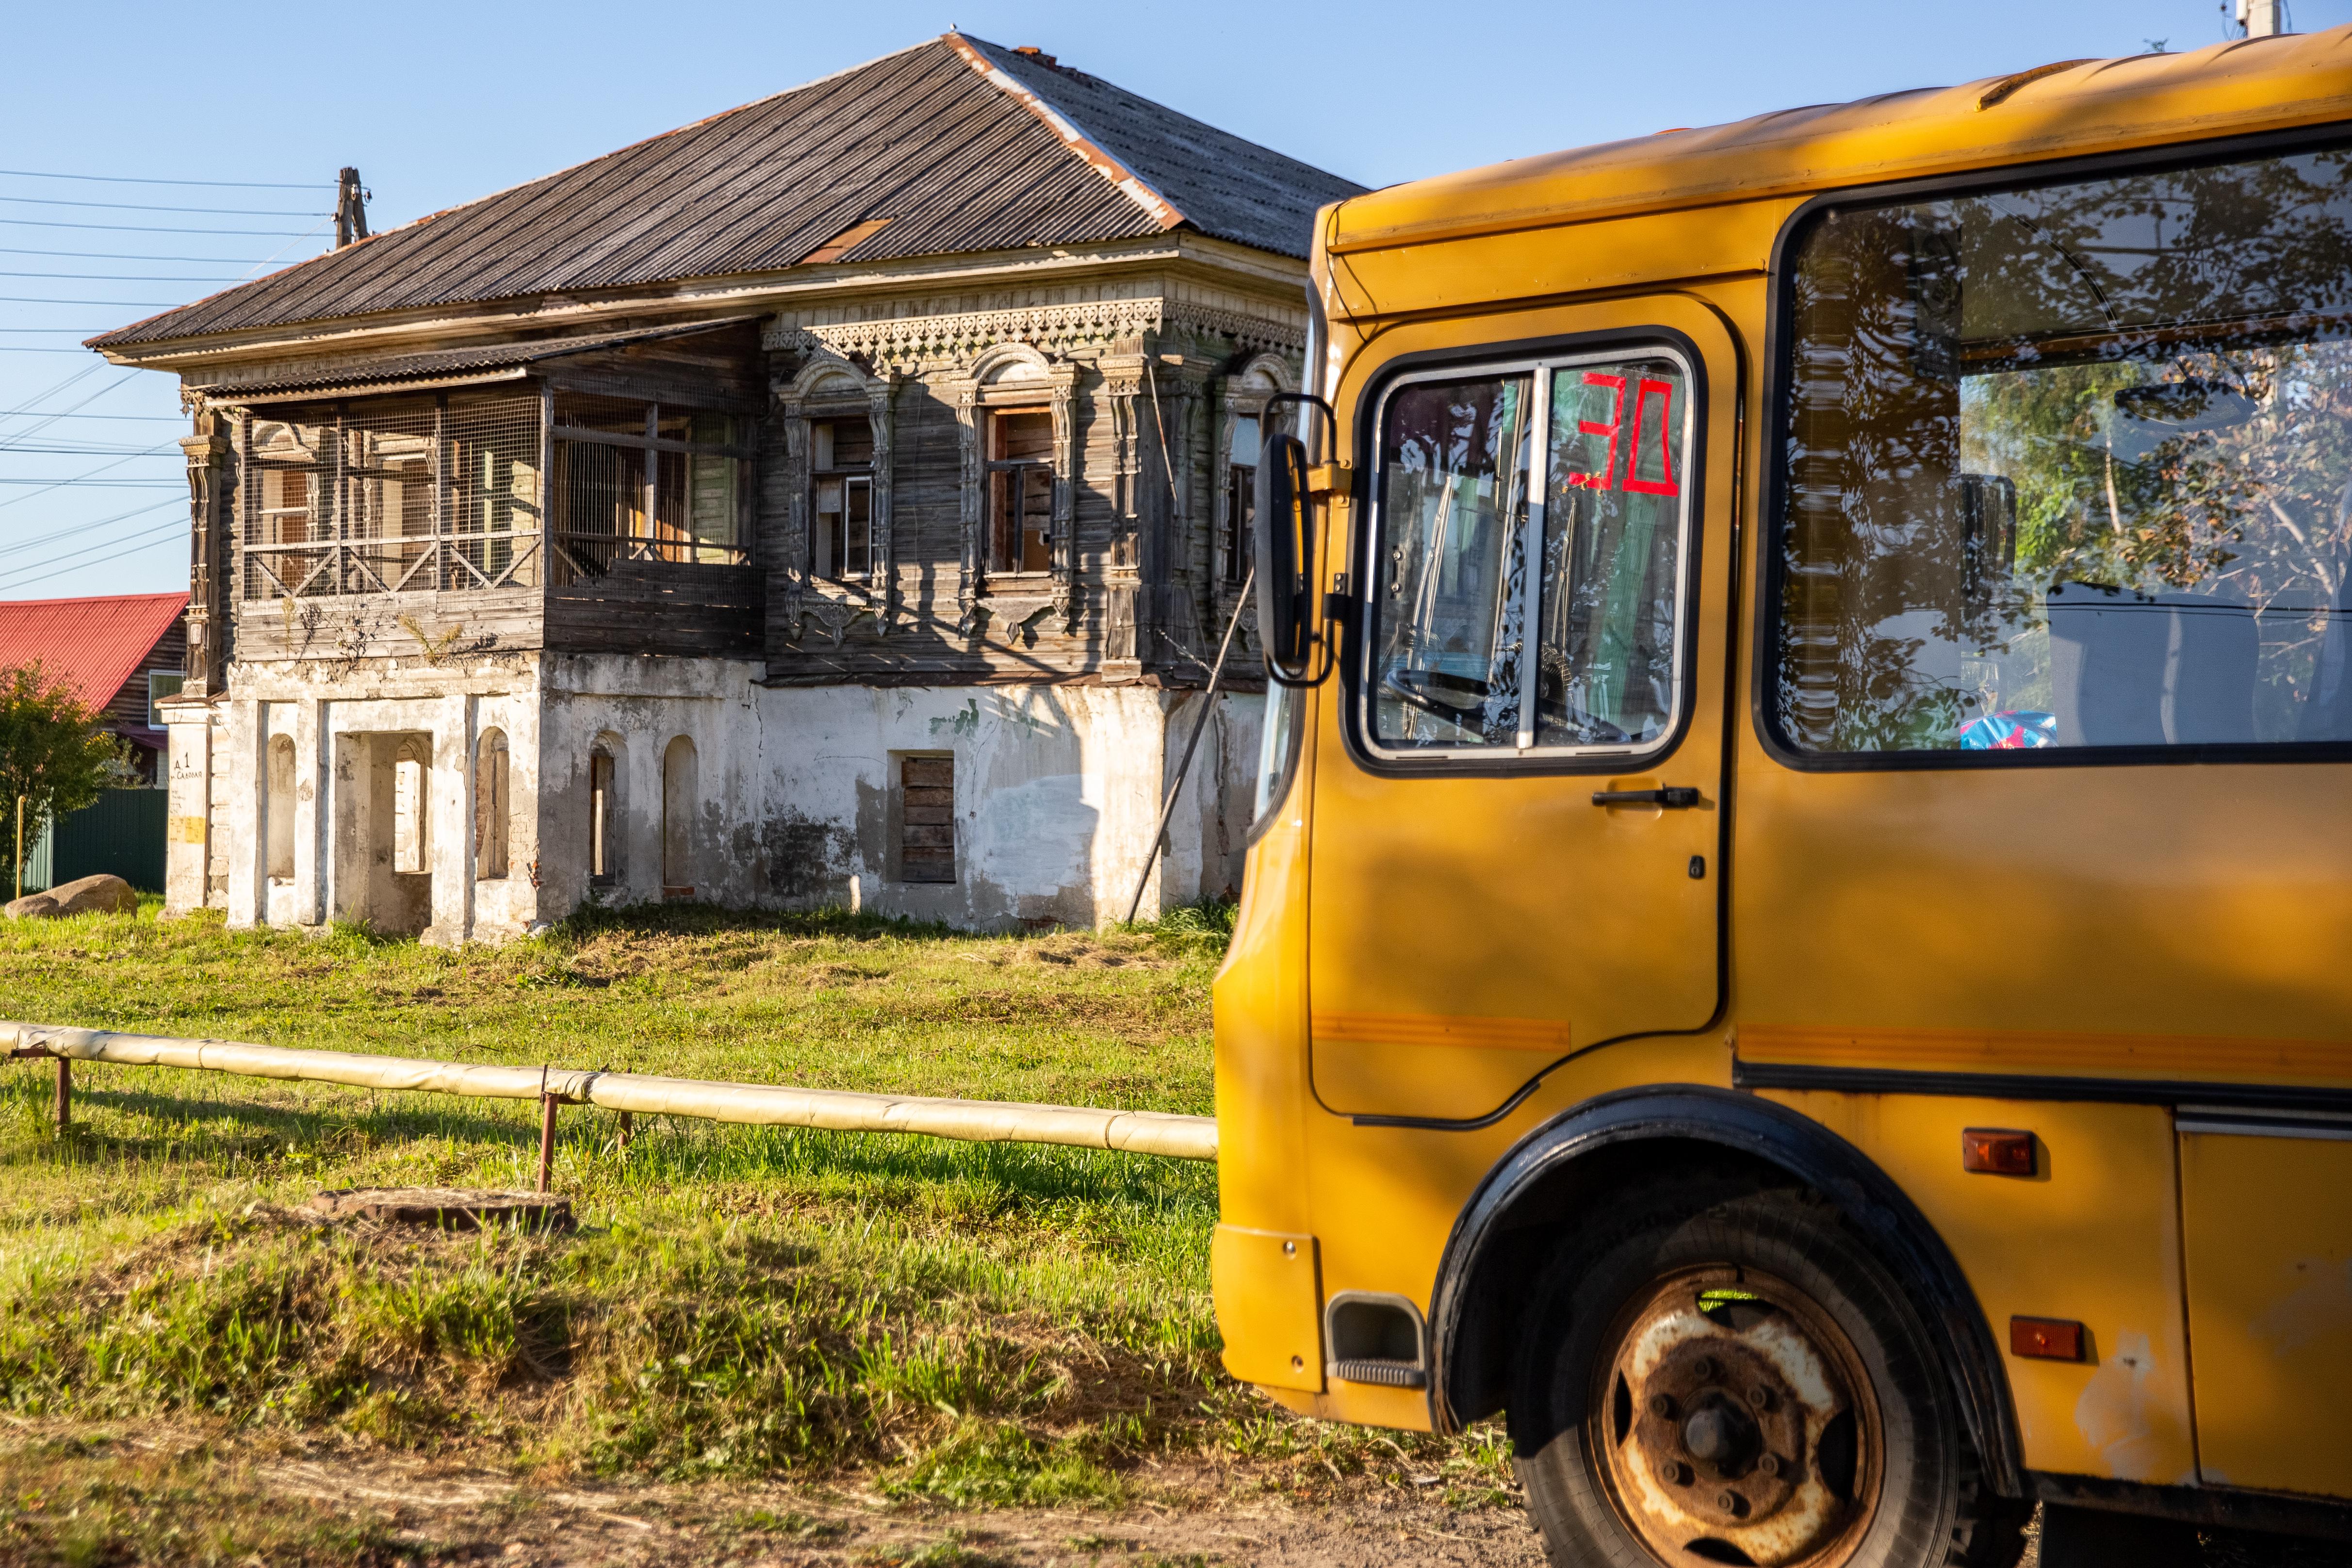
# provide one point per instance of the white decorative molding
(907, 342)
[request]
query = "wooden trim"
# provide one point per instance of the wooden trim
(653, 443)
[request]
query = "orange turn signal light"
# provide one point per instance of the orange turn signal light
(2045, 1338)
(1997, 1151)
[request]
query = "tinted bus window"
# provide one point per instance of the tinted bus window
(2071, 466)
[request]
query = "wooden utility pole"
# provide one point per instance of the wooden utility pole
(351, 209)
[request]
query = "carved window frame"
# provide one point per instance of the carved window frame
(1247, 394)
(831, 388)
(1012, 376)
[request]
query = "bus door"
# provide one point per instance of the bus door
(1516, 819)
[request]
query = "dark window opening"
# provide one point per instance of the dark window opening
(1021, 491)
(1241, 497)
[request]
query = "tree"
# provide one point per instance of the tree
(54, 755)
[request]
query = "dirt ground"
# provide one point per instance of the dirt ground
(593, 1527)
(146, 1494)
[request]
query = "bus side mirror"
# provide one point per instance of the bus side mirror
(1287, 612)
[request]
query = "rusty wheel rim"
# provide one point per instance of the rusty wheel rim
(1734, 1423)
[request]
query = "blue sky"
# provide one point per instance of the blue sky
(438, 103)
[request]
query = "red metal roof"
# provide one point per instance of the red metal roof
(93, 644)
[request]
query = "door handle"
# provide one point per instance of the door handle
(1673, 797)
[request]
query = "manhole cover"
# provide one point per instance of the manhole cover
(451, 1208)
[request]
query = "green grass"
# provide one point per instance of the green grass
(973, 1324)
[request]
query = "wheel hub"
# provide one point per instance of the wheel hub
(1730, 1420)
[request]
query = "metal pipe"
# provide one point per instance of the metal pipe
(974, 1120)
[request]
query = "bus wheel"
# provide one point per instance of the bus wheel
(1730, 1376)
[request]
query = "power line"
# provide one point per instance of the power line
(148, 539)
(148, 304)
(77, 449)
(147, 207)
(38, 541)
(215, 185)
(118, 276)
(69, 413)
(83, 479)
(146, 228)
(121, 255)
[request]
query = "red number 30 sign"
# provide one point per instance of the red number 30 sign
(1646, 394)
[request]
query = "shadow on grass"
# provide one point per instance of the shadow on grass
(705, 919)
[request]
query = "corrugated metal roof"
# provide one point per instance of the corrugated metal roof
(930, 138)
(1225, 186)
(440, 363)
(91, 645)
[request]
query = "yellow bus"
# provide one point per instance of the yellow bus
(1798, 940)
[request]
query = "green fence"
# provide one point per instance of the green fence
(122, 832)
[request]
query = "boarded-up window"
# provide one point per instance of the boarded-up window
(279, 805)
(927, 819)
(490, 805)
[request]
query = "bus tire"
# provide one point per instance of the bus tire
(1721, 1373)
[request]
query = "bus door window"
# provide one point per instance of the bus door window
(1604, 445)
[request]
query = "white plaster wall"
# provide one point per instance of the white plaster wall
(1057, 790)
(647, 703)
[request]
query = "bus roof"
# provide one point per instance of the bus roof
(2058, 110)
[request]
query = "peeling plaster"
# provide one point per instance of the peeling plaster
(1058, 789)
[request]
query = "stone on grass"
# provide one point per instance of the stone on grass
(102, 894)
(450, 1208)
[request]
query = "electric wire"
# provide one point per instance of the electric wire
(48, 419)
(47, 393)
(120, 256)
(35, 413)
(148, 304)
(146, 229)
(147, 208)
(118, 276)
(146, 539)
(38, 541)
(84, 478)
(215, 184)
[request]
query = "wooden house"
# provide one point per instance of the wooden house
(837, 500)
